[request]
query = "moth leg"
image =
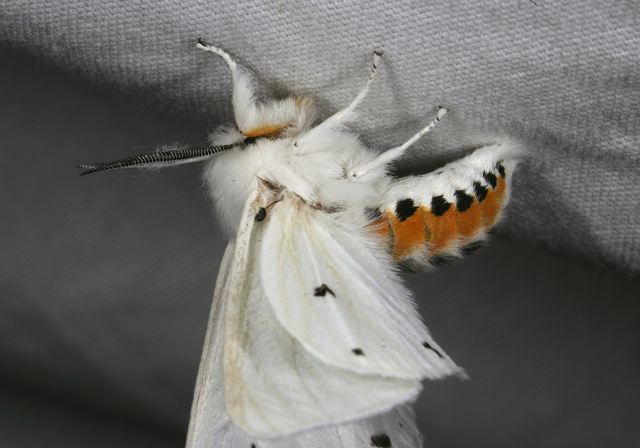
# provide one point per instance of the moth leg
(244, 107)
(255, 120)
(395, 153)
(348, 113)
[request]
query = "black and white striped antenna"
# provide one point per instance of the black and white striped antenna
(157, 159)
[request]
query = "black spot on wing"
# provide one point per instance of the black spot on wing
(439, 205)
(262, 213)
(405, 209)
(480, 191)
(491, 179)
(500, 167)
(358, 351)
(463, 200)
(428, 346)
(322, 291)
(381, 441)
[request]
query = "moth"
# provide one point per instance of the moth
(313, 340)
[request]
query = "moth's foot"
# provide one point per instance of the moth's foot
(203, 45)
(441, 112)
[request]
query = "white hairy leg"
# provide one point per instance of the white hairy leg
(395, 153)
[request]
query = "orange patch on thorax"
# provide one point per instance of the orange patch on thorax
(265, 131)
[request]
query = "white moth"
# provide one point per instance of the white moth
(313, 341)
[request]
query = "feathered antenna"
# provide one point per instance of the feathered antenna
(157, 159)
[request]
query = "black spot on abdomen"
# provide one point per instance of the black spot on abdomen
(463, 200)
(440, 260)
(481, 192)
(358, 351)
(472, 247)
(439, 205)
(381, 441)
(405, 209)
(491, 179)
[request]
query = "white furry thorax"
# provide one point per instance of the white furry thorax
(315, 169)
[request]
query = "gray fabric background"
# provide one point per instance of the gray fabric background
(561, 75)
(105, 282)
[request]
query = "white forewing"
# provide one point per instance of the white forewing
(331, 285)
(211, 422)
(272, 385)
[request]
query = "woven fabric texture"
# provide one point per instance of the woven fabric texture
(561, 76)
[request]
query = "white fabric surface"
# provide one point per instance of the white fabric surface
(561, 75)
